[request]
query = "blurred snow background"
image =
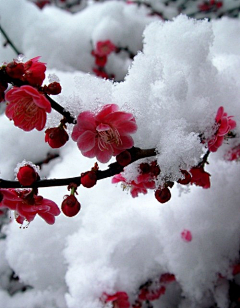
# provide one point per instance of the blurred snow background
(174, 86)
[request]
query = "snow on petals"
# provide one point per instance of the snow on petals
(27, 108)
(119, 299)
(225, 124)
(136, 186)
(104, 134)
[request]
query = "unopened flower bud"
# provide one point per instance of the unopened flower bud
(124, 158)
(27, 175)
(53, 88)
(70, 206)
(15, 70)
(89, 179)
(163, 194)
(56, 137)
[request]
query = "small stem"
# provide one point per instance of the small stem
(10, 42)
(69, 118)
(204, 159)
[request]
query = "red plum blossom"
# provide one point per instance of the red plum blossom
(225, 124)
(104, 134)
(200, 177)
(27, 108)
(34, 72)
(137, 186)
(104, 48)
(27, 205)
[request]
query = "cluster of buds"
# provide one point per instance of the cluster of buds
(196, 176)
(153, 289)
(147, 176)
(32, 72)
(101, 52)
(148, 292)
(211, 5)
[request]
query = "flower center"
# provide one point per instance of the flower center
(107, 136)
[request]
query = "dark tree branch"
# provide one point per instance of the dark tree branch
(113, 169)
(9, 42)
(67, 115)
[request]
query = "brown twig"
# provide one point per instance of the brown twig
(9, 42)
(113, 169)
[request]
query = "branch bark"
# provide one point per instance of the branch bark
(113, 169)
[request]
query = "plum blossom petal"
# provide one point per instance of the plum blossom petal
(106, 110)
(225, 124)
(98, 134)
(129, 127)
(27, 205)
(34, 71)
(86, 141)
(103, 156)
(104, 48)
(127, 142)
(200, 177)
(27, 108)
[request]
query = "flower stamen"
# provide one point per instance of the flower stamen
(108, 137)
